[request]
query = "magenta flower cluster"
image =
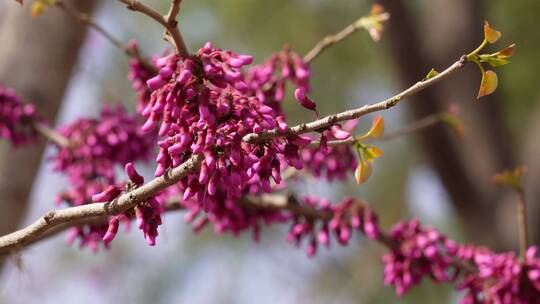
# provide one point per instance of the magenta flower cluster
(16, 118)
(332, 162)
(147, 214)
(501, 278)
(96, 147)
(418, 253)
(140, 71)
(485, 276)
(203, 106)
(339, 219)
(267, 81)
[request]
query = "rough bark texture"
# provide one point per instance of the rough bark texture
(36, 59)
(465, 167)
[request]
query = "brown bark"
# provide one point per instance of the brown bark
(36, 59)
(465, 167)
(531, 159)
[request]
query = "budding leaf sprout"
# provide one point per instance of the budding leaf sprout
(431, 74)
(490, 34)
(368, 153)
(490, 81)
(39, 7)
(511, 178)
(377, 127)
(373, 22)
(454, 122)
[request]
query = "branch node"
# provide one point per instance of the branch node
(48, 216)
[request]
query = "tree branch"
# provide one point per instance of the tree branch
(20, 238)
(88, 21)
(51, 219)
(173, 32)
(356, 113)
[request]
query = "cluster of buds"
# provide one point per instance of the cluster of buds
(16, 118)
(339, 219)
(140, 71)
(96, 147)
(147, 214)
(204, 106)
(419, 252)
(331, 162)
(501, 278)
(267, 81)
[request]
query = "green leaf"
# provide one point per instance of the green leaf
(495, 62)
(372, 152)
(489, 83)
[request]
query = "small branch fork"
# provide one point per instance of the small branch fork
(52, 219)
(168, 21)
(88, 21)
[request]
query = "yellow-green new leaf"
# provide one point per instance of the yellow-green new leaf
(495, 61)
(37, 9)
(377, 127)
(489, 83)
(431, 74)
(511, 178)
(490, 34)
(507, 52)
(372, 152)
(363, 171)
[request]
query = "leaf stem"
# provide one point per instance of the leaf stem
(522, 225)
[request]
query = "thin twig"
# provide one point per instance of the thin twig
(356, 113)
(330, 40)
(51, 134)
(522, 225)
(175, 35)
(87, 20)
(416, 126)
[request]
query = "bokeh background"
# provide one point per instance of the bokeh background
(432, 175)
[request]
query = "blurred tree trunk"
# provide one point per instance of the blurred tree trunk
(531, 159)
(465, 166)
(36, 59)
